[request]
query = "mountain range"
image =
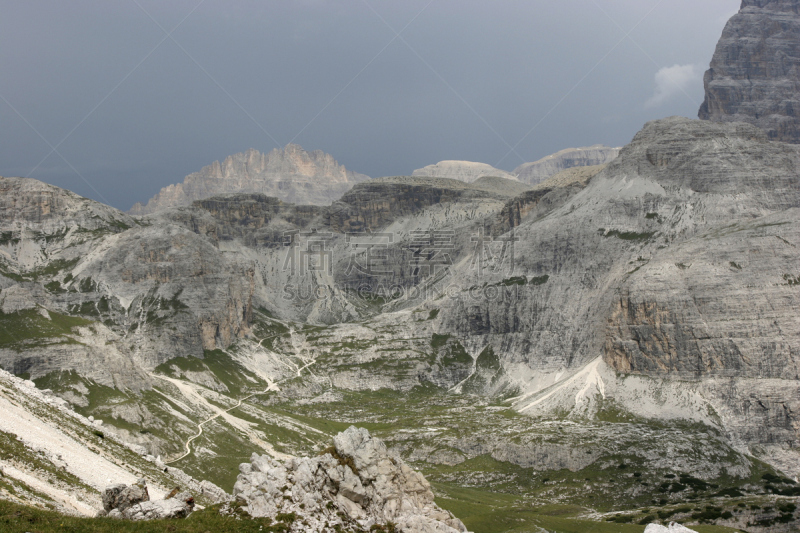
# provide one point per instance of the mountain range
(315, 178)
(614, 346)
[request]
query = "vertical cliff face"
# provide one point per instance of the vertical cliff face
(755, 72)
(291, 174)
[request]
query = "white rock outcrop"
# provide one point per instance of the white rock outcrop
(357, 481)
(672, 528)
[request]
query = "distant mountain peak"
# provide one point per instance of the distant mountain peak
(467, 171)
(548, 166)
(290, 173)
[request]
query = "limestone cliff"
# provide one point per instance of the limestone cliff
(755, 72)
(538, 171)
(291, 174)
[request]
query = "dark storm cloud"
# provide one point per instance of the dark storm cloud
(499, 82)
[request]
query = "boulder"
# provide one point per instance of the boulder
(111, 496)
(121, 497)
(179, 506)
(132, 502)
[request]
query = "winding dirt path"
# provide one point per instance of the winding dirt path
(220, 412)
(188, 391)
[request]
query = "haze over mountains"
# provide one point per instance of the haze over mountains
(619, 342)
(296, 176)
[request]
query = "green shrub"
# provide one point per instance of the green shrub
(621, 519)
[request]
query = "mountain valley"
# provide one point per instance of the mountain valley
(602, 340)
(539, 337)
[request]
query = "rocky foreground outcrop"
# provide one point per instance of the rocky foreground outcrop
(291, 174)
(357, 482)
(755, 72)
(132, 502)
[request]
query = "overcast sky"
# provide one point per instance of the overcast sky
(385, 86)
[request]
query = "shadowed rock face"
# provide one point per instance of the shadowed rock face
(290, 174)
(755, 72)
(374, 205)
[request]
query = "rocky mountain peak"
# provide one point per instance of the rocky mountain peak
(755, 72)
(291, 174)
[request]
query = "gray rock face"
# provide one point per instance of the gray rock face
(467, 171)
(755, 72)
(646, 205)
(34, 205)
(291, 174)
(133, 503)
(111, 496)
(179, 506)
(356, 482)
(676, 263)
(375, 205)
(122, 497)
(539, 171)
(733, 337)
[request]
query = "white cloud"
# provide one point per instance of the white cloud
(672, 81)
